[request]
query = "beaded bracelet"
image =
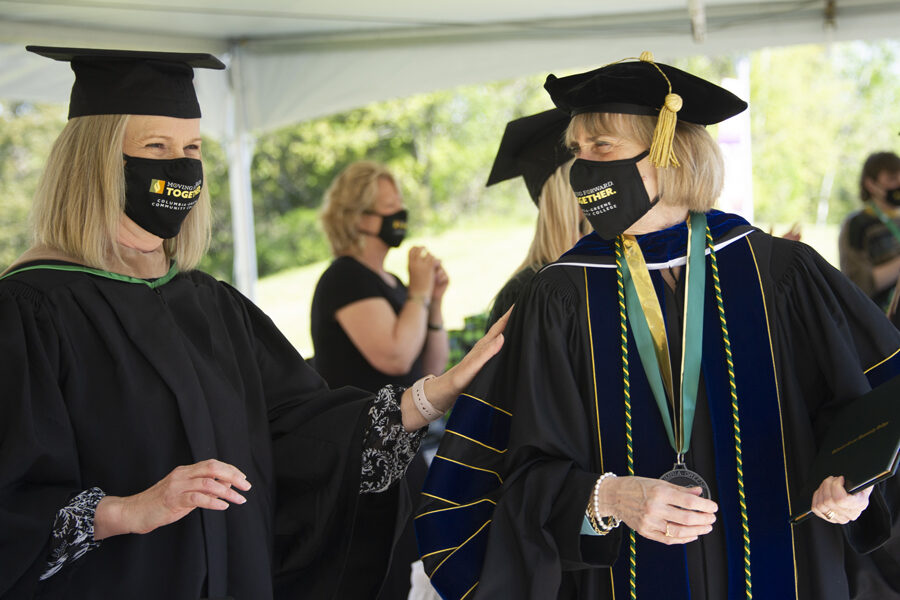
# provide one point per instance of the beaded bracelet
(601, 525)
(426, 408)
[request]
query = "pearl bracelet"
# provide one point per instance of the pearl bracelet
(426, 408)
(601, 525)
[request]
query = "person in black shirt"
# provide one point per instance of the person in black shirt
(368, 328)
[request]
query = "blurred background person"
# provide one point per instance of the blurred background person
(532, 148)
(368, 328)
(869, 242)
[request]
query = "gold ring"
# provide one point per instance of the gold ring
(667, 530)
(829, 515)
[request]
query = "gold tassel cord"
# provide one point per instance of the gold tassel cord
(662, 147)
(662, 151)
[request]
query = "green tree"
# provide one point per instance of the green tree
(817, 112)
(219, 261)
(27, 132)
(440, 147)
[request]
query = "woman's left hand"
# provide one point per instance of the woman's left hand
(462, 373)
(832, 503)
(443, 390)
(441, 281)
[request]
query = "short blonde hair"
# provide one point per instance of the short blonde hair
(352, 192)
(560, 222)
(695, 185)
(81, 196)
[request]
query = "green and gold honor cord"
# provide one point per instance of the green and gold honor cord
(678, 433)
(629, 442)
(735, 416)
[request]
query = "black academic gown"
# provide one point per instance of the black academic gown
(114, 383)
(506, 495)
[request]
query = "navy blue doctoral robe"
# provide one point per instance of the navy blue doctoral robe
(506, 495)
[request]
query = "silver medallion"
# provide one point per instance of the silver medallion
(681, 475)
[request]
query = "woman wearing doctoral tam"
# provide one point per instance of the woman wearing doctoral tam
(159, 437)
(648, 428)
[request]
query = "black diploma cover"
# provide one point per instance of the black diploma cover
(862, 444)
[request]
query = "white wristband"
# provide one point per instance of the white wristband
(425, 407)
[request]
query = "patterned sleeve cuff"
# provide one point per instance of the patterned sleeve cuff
(388, 448)
(73, 531)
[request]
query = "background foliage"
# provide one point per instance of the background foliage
(26, 133)
(817, 112)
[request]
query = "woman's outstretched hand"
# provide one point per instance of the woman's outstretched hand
(462, 374)
(443, 390)
(206, 484)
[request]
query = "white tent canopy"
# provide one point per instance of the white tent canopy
(289, 61)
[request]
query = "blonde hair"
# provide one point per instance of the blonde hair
(81, 196)
(560, 222)
(695, 185)
(351, 193)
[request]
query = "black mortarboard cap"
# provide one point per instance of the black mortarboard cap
(109, 82)
(645, 87)
(636, 88)
(532, 147)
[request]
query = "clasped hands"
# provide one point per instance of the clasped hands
(670, 514)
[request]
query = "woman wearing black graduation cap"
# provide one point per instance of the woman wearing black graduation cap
(138, 389)
(532, 148)
(648, 428)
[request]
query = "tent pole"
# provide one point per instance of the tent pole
(239, 145)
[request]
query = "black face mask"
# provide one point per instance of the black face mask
(393, 227)
(611, 193)
(893, 197)
(159, 194)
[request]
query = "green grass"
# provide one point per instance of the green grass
(479, 260)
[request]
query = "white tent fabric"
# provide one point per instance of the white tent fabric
(289, 62)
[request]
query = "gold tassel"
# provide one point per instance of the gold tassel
(662, 152)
